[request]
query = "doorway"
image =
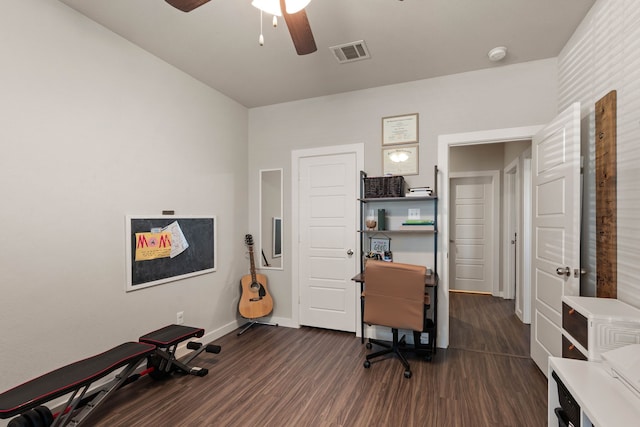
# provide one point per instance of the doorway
(474, 231)
(445, 142)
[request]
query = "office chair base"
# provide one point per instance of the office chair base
(394, 348)
(253, 323)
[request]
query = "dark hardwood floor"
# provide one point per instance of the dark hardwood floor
(275, 376)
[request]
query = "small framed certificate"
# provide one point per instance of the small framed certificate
(400, 129)
(400, 160)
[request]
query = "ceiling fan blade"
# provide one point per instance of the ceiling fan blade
(300, 30)
(186, 5)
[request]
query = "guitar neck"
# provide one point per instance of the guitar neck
(253, 266)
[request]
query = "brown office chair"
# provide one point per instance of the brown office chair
(395, 297)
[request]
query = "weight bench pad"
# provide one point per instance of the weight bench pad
(69, 378)
(171, 335)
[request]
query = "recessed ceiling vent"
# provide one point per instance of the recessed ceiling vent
(349, 52)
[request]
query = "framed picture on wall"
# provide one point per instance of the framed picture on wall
(161, 249)
(400, 129)
(400, 160)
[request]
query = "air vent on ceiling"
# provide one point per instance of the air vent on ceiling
(349, 52)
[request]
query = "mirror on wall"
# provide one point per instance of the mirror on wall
(271, 219)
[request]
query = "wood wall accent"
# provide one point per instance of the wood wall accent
(606, 197)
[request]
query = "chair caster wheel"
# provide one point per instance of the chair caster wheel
(407, 374)
(428, 358)
(366, 364)
(368, 345)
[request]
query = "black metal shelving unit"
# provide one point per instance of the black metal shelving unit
(432, 279)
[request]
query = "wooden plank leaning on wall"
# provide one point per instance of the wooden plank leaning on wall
(606, 197)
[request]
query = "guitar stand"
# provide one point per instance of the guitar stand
(253, 323)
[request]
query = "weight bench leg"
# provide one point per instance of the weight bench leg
(102, 395)
(169, 361)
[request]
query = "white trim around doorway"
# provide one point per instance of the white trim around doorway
(445, 142)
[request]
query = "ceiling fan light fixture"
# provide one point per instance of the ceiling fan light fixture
(273, 6)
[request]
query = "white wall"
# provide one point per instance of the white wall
(603, 55)
(93, 128)
(510, 96)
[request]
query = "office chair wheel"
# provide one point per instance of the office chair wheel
(366, 364)
(407, 374)
(368, 345)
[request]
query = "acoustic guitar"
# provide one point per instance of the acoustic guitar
(255, 300)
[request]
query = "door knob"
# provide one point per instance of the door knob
(350, 252)
(563, 271)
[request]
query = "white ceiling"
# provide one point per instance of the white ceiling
(217, 43)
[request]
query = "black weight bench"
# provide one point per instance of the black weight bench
(157, 348)
(76, 379)
(166, 340)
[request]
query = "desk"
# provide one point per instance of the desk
(430, 281)
(604, 401)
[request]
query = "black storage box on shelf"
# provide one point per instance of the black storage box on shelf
(570, 409)
(383, 186)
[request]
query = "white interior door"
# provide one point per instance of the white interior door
(556, 230)
(328, 241)
(471, 234)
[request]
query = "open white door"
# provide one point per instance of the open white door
(556, 230)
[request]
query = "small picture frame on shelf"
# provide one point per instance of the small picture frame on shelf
(380, 245)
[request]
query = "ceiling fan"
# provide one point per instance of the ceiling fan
(297, 23)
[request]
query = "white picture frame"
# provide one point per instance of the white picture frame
(200, 257)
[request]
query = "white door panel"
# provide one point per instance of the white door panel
(470, 272)
(474, 252)
(553, 202)
(556, 229)
(549, 290)
(471, 219)
(469, 232)
(327, 232)
(327, 207)
(470, 212)
(547, 333)
(551, 247)
(327, 237)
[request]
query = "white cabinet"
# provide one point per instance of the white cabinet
(604, 401)
(591, 326)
